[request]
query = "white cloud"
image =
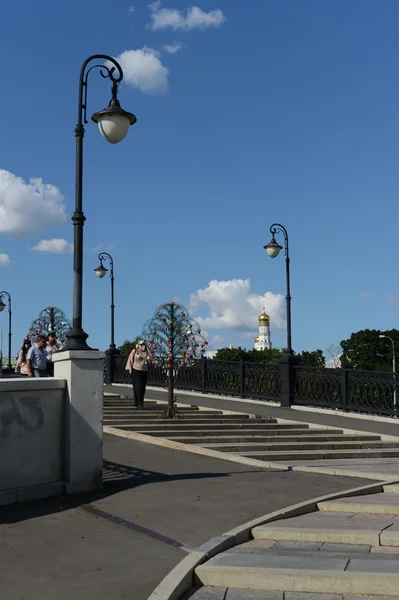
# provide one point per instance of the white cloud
(27, 208)
(54, 246)
(366, 294)
(144, 70)
(193, 18)
(4, 260)
(131, 10)
(172, 48)
(233, 305)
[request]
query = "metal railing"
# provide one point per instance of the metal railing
(371, 392)
(230, 378)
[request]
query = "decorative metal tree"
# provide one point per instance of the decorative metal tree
(50, 320)
(174, 340)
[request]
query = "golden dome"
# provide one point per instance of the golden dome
(257, 340)
(264, 318)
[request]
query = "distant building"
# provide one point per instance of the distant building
(262, 341)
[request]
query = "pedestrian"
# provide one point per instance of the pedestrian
(21, 368)
(51, 347)
(37, 358)
(137, 365)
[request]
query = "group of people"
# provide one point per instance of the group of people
(36, 360)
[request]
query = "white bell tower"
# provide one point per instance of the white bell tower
(262, 342)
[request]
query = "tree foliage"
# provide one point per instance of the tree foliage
(366, 351)
(272, 356)
(128, 346)
(315, 358)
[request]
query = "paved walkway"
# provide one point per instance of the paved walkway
(156, 505)
(386, 468)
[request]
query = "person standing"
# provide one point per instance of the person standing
(51, 347)
(37, 358)
(21, 367)
(137, 365)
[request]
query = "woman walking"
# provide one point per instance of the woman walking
(137, 365)
(21, 367)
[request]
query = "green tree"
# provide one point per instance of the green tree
(312, 359)
(271, 356)
(128, 346)
(366, 351)
(233, 354)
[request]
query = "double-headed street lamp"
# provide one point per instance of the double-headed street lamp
(101, 271)
(393, 365)
(2, 307)
(273, 250)
(113, 123)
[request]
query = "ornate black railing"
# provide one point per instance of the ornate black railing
(231, 378)
(370, 392)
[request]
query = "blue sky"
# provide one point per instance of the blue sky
(248, 113)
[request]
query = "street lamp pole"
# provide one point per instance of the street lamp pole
(2, 307)
(393, 366)
(101, 271)
(273, 250)
(113, 123)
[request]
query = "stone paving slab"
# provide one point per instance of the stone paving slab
(205, 593)
(384, 503)
(332, 527)
(212, 593)
(253, 595)
(310, 596)
(270, 561)
(316, 554)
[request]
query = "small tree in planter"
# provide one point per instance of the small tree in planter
(174, 340)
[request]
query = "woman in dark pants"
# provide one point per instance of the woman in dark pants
(137, 365)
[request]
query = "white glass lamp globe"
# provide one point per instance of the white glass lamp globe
(113, 128)
(100, 271)
(114, 122)
(273, 249)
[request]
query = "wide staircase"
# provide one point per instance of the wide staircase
(261, 438)
(347, 550)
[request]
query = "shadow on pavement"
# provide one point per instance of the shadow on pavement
(116, 478)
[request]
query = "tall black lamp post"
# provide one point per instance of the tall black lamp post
(2, 307)
(101, 271)
(273, 250)
(113, 123)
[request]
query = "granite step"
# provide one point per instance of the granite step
(214, 593)
(149, 413)
(338, 528)
(217, 420)
(222, 434)
(275, 573)
(205, 440)
(180, 424)
(383, 504)
(302, 455)
(392, 488)
(275, 445)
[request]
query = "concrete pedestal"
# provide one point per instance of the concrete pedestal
(83, 440)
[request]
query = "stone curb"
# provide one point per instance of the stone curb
(180, 579)
(158, 441)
